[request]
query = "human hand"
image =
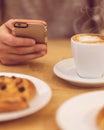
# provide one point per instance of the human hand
(17, 50)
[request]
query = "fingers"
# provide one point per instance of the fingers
(16, 50)
(28, 50)
(17, 55)
(18, 41)
(22, 50)
(17, 59)
(11, 40)
(8, 38)
(9, 24)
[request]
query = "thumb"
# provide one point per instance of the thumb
(10, 24)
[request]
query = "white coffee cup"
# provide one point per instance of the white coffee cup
(88, 52)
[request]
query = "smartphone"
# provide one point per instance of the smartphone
(36, 29)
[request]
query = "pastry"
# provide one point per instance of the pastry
(100, 119)
(15, 93)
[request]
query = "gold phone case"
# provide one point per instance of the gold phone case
(35, 29)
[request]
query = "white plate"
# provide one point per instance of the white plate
(65, 69)
(79, 113)
(38, 102)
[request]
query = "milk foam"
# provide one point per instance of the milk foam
(89, 38)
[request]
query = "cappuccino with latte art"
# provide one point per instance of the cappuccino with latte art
(88, 53)
(89, 38)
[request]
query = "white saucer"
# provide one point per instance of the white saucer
(38, 102)
(79, 113)
(65, 69)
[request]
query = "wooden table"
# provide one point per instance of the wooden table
(42, 68)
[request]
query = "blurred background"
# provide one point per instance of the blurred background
(64, 17)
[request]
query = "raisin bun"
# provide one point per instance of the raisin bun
(100, 119)
(15, 93)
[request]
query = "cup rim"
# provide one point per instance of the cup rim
(85, 42)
